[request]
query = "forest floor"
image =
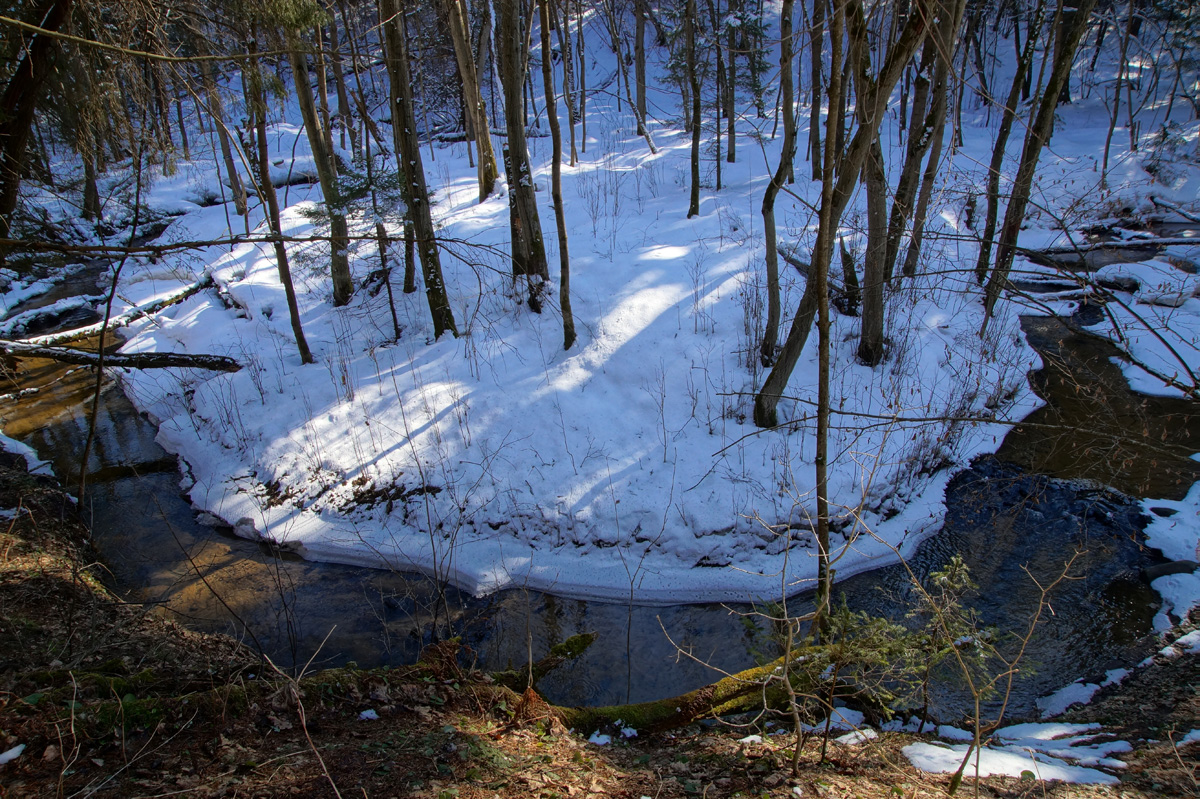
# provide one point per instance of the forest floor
(113, 699)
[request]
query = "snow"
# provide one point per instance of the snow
(33, 463)
(1048, 751)
(945, 759)
(842, 718)
(628, 467)
(1180, 593)
(952, 733)
(10, 755)
(1079, 692)
(1189, 644)
(857, 737)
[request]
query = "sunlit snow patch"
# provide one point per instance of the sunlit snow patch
(1042, 750)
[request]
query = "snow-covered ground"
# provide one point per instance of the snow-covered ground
(628, 466)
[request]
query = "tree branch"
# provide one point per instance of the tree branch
(141, 360)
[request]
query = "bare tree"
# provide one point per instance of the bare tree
(512, 56)
(19, 102)
(843, 168)
(924, 135)
(1020, 83)
(476, 110)
(217, 113)
(257, 95)
(692, 65)
(319, 143)
(787, 153)
(564, 255)
(1068, 35)
(408, 151)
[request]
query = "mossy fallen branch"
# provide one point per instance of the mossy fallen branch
(568, 650)
(747, 690)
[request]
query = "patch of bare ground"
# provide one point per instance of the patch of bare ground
(1156, 705)
(111, 700)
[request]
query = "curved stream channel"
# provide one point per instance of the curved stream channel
(1003, 518)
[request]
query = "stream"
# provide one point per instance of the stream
(1004, 516)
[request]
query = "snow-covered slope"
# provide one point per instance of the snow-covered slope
(627, 466)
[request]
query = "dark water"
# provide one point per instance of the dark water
(1011, 525)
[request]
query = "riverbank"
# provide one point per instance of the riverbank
(103, 698)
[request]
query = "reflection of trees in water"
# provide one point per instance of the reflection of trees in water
(1095, 427)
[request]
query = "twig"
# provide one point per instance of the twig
(294, 685)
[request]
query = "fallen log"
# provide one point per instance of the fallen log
(1161, 203)
(130, 316)
(141, 360)
(749, 690)
(1122, 244)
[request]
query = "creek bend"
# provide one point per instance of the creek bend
(1004, 516)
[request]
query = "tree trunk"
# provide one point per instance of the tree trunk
(410, 258)
(745, 691)
(266, 190)
(1067, 23)
(319, 142)
(582, 75)
(719, 75)
(1122, 67)
(345, 117)
(141, 360)
(623, 73)
(183, 134)
(218, 118)
(476, 110)
(639, 58)
(919, 131)
(123, 319)
(786, 155)
(408, 152)
(568, 62)
(528, 249)
(560, 219)
(913, 255)
(816, 38)
(19, 102)
(693, 77)
(1035, 139)
(870, 344)
(730, 98)
(381, 236)
(1020, 80)
(364, 113)
(844, 169)
(91, 193)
